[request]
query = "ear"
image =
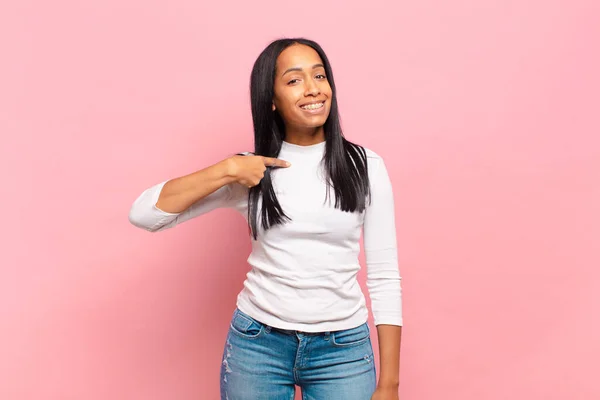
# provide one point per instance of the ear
(273, 106)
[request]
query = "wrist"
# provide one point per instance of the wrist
(388, 384)
(227, 170)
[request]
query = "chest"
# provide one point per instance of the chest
(305, 197)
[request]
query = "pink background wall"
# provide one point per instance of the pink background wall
(487, 113)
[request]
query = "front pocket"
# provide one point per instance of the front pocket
(351, 337)
(246, 326)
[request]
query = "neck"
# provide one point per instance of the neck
(305, 137)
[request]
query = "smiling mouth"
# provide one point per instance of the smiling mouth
(314, 106)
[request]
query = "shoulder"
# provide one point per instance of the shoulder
(374, 160)
(377, 169)
(372, 154)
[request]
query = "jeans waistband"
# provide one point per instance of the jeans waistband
(284, 331)
(293, 332)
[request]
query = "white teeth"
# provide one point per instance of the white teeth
(312, 106)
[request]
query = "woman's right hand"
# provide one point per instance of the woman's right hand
(249, 170)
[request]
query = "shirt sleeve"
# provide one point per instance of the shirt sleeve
(146, 215)
(379, 235)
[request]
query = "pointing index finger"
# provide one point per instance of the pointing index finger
(275, 162)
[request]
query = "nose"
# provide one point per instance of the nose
(312, 89)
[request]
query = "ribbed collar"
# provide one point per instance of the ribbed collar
(316, 148)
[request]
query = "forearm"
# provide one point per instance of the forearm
(389, 337)
(180, 193)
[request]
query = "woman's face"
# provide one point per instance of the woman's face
(302, 92)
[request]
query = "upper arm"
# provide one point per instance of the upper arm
(379, 224)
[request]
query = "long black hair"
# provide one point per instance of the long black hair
(345, 162)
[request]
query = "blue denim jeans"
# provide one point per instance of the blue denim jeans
(265, 363)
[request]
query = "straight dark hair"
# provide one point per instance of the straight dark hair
(345, 162)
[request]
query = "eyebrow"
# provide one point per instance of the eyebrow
(300, 69)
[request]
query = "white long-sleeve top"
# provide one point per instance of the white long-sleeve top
(303, 273)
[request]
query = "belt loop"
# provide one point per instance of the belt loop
(326, 334)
